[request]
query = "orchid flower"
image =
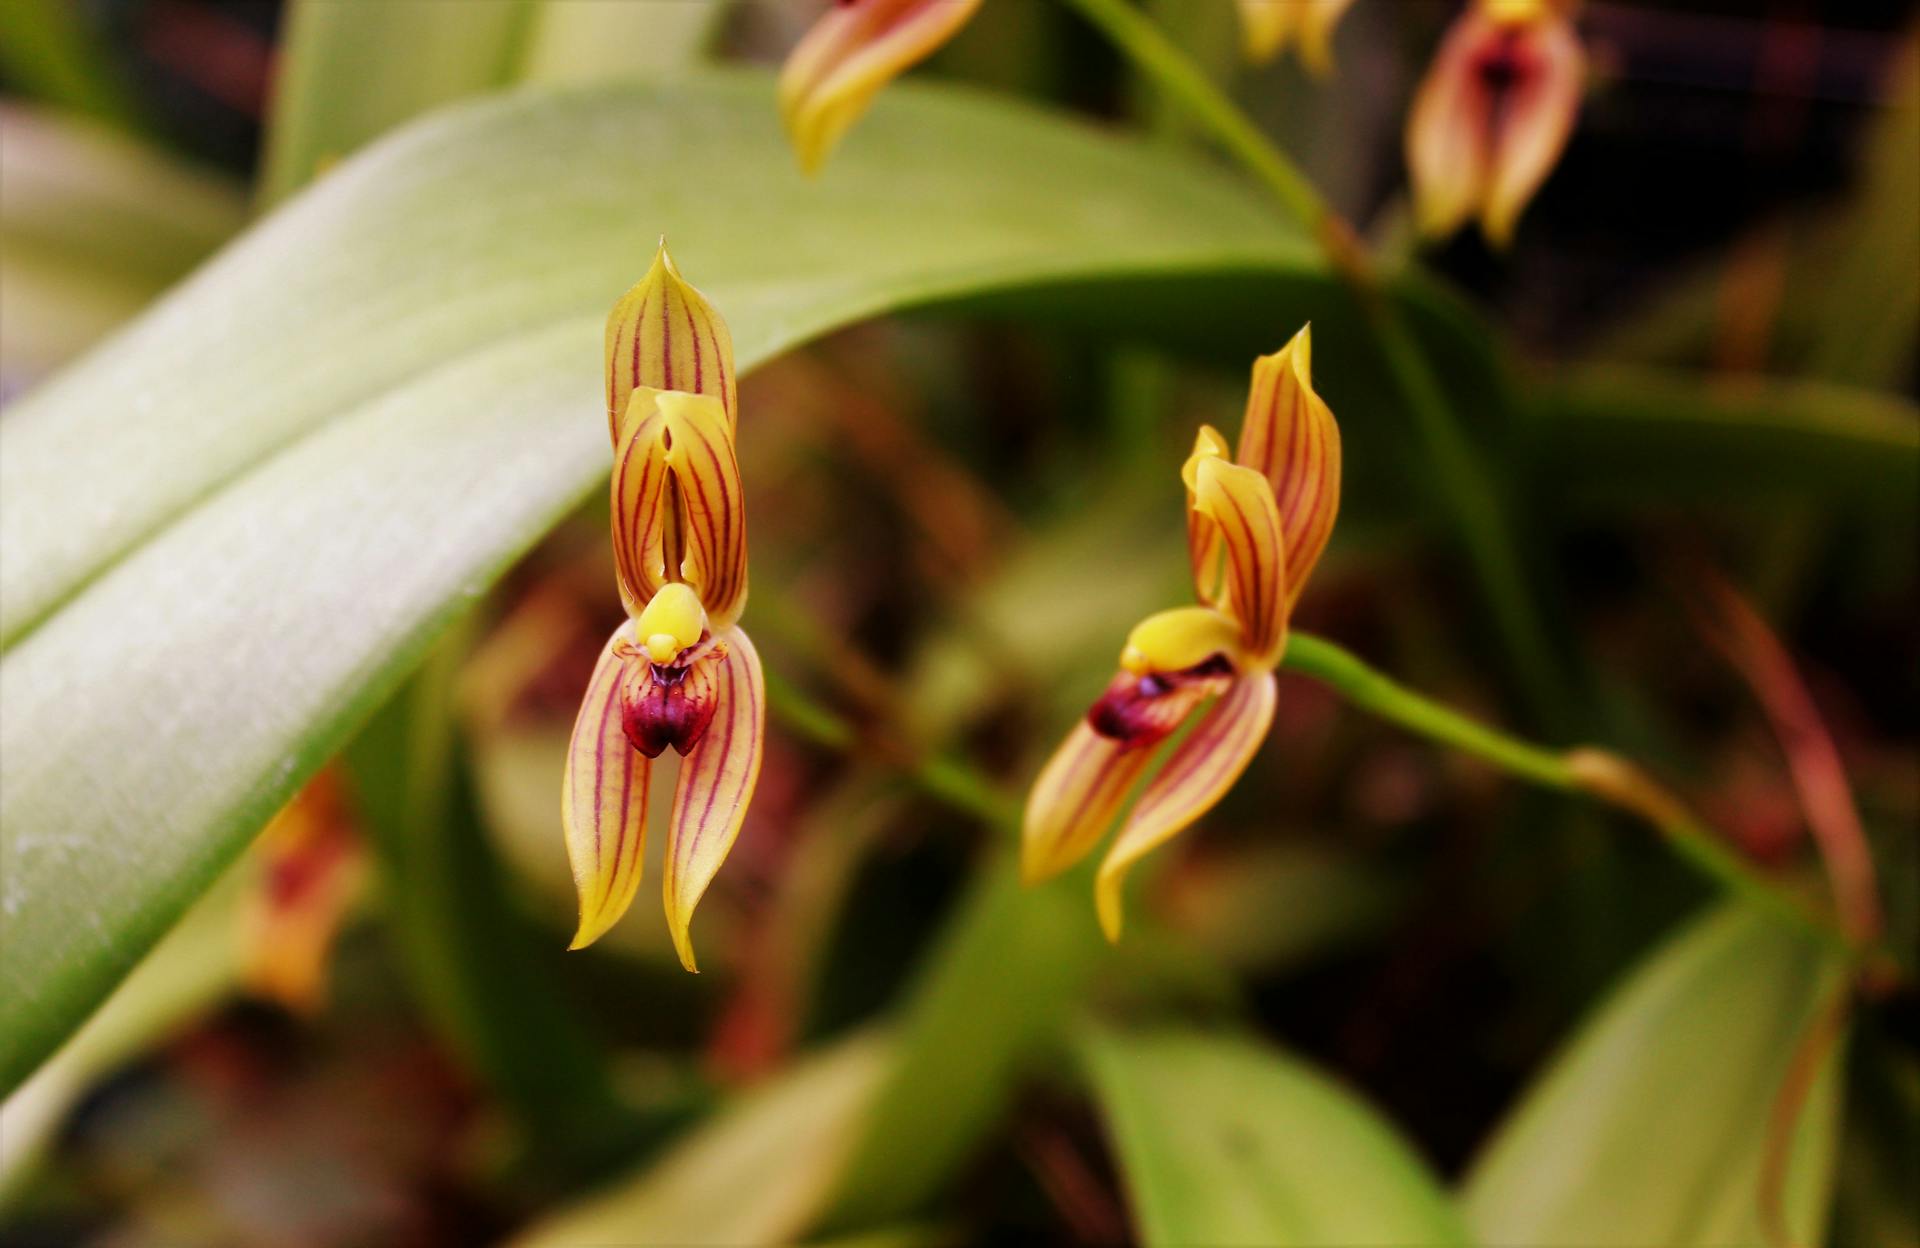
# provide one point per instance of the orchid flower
(1256, 524)
(678, 671)
(1268, 26)
(1493, 115)
(841, 63)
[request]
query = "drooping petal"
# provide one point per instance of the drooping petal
(1203, 536)
(1266, 26)
(1197, 775)
(1074, 801)
(663, 333)
(716, 783)
(603, 804)
(843, 61)
(1492, 115)
(1290, 436)
(678, 508)
(1241, 502)
(1538, 118)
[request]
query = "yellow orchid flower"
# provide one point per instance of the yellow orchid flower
(1493, 115)
(678, 671)
(1256, 524)
(841, 63)
(1268, 26)
(309, 869)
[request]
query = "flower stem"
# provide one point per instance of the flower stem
(1468, 489)
(1587, 770)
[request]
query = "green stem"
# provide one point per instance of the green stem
(1467, 488)
(1591, 772)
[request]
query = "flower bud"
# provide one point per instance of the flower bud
(1493, 115)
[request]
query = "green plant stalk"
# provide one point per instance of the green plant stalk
(1585, 770)
(1466, 487)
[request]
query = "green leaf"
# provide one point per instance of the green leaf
(46, 49)
(1638, 434)
(231, 531)
(756, 1174)
(1224, 1141)
(93, 226)
(1651, 1125)
(984, 1008)
(350, 72)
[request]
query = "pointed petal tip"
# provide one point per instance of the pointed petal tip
(1109, 902)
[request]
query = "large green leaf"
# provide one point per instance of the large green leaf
(1651, 1127)
(756, 1174)
(1223, 1141)
(230, 531)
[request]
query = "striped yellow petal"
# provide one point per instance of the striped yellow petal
(1203, 536)
(843, 61)
(603, 801)
(1291, 438)
(663, 333)
(1074, 801)
(1241, 503)
(678, 507)
(716, 783)
(1197, 775)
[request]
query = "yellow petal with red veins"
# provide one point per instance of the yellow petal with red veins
(855, 49)
(1239, 500)
(1074, 801)
(678, 509)
(663, 333)
(1197, 775)
(1290, 437)
(603, 803)
(716, 782)
(1203, 536)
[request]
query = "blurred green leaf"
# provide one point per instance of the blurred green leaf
(1617, 433)
(93, 226)
(350, 71)
(1651, 1125)
(1013, 965)
(47, 50)
(486, 984)
(1224, 1141)
(756, 1174)
(230, 535)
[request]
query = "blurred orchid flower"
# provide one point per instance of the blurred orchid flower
(1493, 115)
(310, 866)
(677, 672)
(856, 48)
(1268, 26)
(1256, 525)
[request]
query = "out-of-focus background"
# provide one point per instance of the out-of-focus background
(1708, 318)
